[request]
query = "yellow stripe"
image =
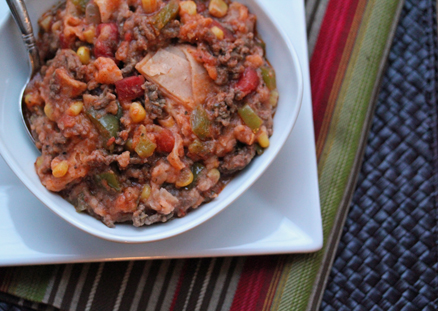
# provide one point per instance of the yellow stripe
(273, 285)
(282, 283)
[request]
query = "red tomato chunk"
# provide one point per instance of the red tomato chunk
(107, 40)
(165, 140)
(249, 81)
(130, 88)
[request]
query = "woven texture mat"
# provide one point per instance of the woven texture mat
(387, 257)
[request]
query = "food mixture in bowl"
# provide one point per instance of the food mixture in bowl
(144, 109)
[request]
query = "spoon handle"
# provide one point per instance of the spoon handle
(19, 12)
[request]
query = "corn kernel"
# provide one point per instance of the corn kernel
(84, 54)
(273, 98)
(48, 110)
(60, 169)
(89, 34)
(185, 178)
(75, 109)
(214, 175)
(145, 193)
(28, 99)
(263, 140)
(149, 6)
(39, 161)
(188, 7)
(218, 8)
(217, 32)
(137, 112)
(168, 122)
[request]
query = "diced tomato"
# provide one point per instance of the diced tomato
(130, 88)
(128, 36)
(165, 140)
(107, 40)
(64, 42)
(249, 81)
(227, 33)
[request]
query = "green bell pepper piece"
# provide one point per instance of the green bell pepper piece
(111, 179)
(250, 118)
(108, 125)
(200, 123)
(80, 4)
(145, 147)
(268, 75)
(166, 14)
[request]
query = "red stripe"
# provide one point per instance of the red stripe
(254, 283)
(178, 286)
(327, 54)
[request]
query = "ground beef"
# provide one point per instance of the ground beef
(154, 101)
(237, 160)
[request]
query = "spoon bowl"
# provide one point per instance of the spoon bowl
(21, 17)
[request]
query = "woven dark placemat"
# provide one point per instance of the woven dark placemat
(387, 257)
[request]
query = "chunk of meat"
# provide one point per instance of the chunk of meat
(68, 86)
(237, 160)
(171, 72)
(202, 84)
(178, 74)
(107, 71)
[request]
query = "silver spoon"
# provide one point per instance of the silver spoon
(19, 12)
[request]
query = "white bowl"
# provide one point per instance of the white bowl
(19, 153)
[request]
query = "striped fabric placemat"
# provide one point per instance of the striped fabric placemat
(349, 40)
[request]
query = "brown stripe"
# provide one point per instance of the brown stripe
(211, 285)
(69, 292)
(87, 286)
(150, 282)
(165, 287)
(109, 285)
(233, 265)
(58, 278)
(133, 281)
(185, 286)
(199, 281)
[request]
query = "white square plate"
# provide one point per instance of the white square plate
(280, 213)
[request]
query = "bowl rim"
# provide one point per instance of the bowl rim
(145, 238)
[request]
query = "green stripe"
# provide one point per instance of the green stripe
(31, 282)
(343, 140)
